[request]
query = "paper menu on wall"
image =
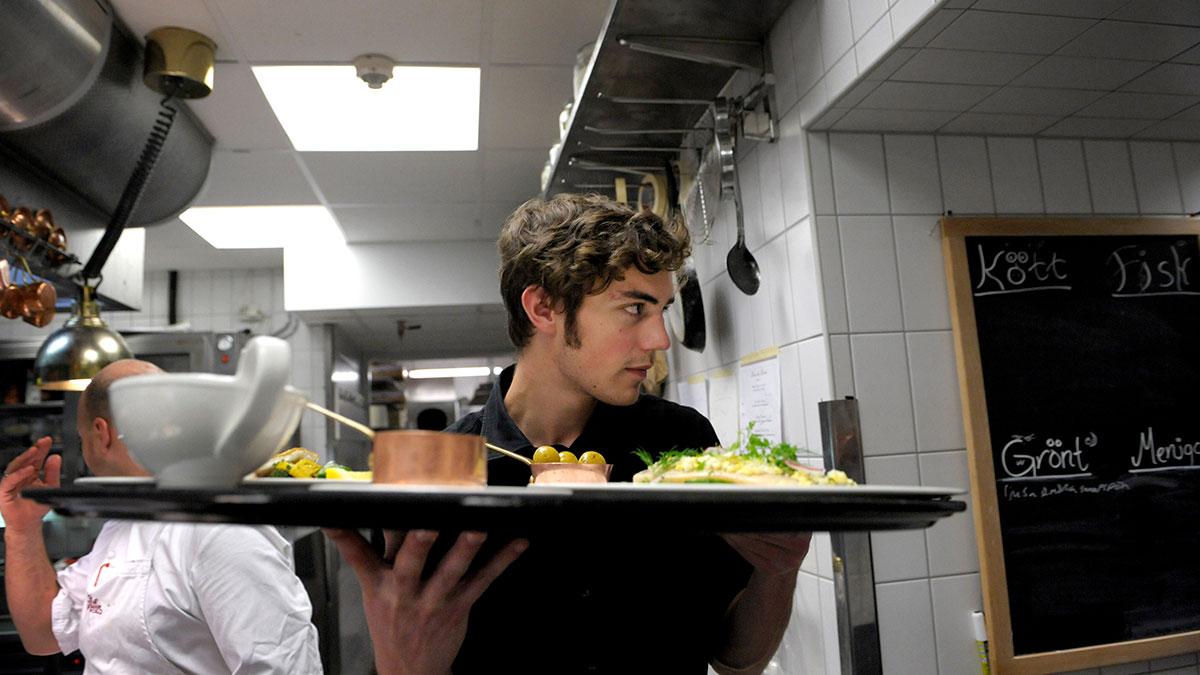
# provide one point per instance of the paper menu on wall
(693, 393)
(723, 405)
(760, 399)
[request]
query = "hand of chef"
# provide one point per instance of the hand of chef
(22, 514)
(771, 553)
(419, 626)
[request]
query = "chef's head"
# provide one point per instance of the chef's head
(103, 449)
(585, 281)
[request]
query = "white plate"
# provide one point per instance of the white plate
(722, 488)
(402, 488)
(115, 480)
(864, 490)
(274, 481)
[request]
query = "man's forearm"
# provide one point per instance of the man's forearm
(756, 623)
(30, 584)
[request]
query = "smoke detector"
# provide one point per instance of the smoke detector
(374, 69)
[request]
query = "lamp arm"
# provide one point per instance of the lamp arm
(134, 188)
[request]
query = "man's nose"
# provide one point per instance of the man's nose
(656, 337)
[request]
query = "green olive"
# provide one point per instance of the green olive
(567, 457)
(592, 457)
(545, 454)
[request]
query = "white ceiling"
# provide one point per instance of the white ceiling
(525, 49)
(1076, 68)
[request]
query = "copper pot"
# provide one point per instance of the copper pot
(41, 319)
(36, 299)
(429, 458)
(43, 224)
(57, 253)
(12, 302)
(22, 228)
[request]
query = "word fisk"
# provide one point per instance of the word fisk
(1153, 272)
(1009, 271)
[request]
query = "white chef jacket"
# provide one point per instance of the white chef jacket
(186, 598)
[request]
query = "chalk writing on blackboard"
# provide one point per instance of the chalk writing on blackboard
(1019, 271)
(1175, 454)
(1143, 270)
(1024, 458)
(1025, 491)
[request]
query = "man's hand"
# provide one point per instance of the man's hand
(770, 553)
(20, 514)
(29, 580)
(760, 615)
(419, 626)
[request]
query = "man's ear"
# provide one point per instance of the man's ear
(103, 432)
(540, 309)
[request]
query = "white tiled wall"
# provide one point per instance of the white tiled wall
(787, 312)
(867, 313)
(884, 197)
(213, 301)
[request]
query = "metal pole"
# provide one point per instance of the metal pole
(853, 575)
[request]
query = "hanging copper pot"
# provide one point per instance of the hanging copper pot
(41, 319)
(22, 228)
(12, 301)
(37, 298)
(57, 253)
(43, 224)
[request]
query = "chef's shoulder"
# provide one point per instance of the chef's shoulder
(212, 540)
(678, 425)
(471, 423)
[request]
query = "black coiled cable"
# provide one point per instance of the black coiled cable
(134, 188)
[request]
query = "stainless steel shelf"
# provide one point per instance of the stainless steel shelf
(45, 407)
(637, 102)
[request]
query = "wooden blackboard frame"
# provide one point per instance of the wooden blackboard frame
(984, 494)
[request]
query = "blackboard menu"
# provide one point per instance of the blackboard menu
(1089, 348)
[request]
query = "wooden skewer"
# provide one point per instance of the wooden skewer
(370, 433)
(357, 426)
(508, 453)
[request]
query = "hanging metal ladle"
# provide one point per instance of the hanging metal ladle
(743, 268)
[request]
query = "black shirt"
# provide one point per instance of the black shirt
(630, 604)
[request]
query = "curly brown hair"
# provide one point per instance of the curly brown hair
(575, 245)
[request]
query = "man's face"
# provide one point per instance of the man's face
(619, 330)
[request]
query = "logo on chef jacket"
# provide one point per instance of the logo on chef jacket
(94, 606)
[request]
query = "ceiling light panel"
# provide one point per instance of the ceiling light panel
(435, 373)
(328, 109)
(264, 226)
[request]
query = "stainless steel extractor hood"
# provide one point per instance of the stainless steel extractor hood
(74, 110)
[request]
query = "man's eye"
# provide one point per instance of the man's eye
(635, 310)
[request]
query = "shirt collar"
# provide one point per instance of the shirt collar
(498, 428)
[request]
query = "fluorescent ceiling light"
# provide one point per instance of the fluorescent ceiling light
(431, 373)
(344, 376)
(497, 370)
(327, 108)
(264, 226)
